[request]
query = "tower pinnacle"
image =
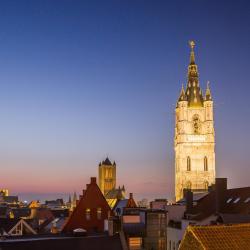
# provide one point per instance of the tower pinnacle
(183, 96)
(208, 96)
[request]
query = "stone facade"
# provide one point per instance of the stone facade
(194, 136)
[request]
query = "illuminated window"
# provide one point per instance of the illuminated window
(188, 164)
(99, 213)
(87, 213)
(205, 164)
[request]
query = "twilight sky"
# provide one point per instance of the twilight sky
(80, 80)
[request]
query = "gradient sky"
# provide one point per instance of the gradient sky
(80, 80)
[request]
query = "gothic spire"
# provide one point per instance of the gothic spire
(193, 91)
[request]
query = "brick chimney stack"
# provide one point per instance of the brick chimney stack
(220, 191)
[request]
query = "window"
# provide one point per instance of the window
(229, 200)
(205, 164)
(188, 164)
(87, 213)
(99, 213)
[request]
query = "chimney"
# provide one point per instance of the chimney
(83, 191)
(130, 195)
(93, 180)
(189, 200)
(220, 191)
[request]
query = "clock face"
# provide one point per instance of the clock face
(196, 124)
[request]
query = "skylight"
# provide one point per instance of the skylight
(247, 199)
(237, 200)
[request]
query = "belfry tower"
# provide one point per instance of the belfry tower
(194, 135)
(107, 176)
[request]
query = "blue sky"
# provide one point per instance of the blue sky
(80, 80)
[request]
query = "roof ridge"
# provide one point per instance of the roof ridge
(194, 227)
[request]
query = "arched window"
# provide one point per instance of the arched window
(189, 185)
(206, 185)
(188, 164)
(205, 164)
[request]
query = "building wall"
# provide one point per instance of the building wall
(174, 237)
(156, 233)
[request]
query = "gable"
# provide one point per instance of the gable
(21, 226)
(92, 200)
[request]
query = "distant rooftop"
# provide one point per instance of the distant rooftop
(62, 242)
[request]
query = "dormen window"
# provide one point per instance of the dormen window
(205, 164)
(87, 213)
(188, 164)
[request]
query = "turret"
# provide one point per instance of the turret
(208, 104)
(182, 105)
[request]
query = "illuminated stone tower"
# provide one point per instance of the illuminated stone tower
(194, 135)
(107, 176)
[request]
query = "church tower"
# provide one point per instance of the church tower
(107, 176)
(194, 140)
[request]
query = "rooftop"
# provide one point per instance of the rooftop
(62, 242)
(220, 237)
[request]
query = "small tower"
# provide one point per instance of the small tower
(194, 135)
(107, 176)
